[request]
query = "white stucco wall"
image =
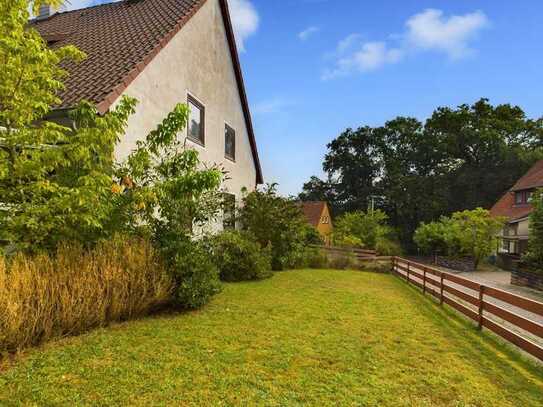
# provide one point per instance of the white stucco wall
(524, 227)
(196, 61)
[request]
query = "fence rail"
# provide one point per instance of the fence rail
(358, 253)
(517, 319)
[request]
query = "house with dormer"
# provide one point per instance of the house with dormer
(516, 207)
(162, 52)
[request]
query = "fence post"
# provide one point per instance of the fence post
(441, 289)
(481, 294)
(407, 275)
(424, 280)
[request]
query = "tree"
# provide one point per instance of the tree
(55, 181)
(466, 233)
(278, 221)
(366, 229)
(458, 159)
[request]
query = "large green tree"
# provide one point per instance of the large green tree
(458, 159)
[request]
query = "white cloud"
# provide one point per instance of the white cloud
(371, 56)
(430, 30)
(426, 31)
(308, 32)
(271, 106)
(347, 43)
(245, 20)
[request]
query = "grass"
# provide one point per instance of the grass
(305, 337)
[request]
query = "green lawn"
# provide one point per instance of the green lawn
(304, 337)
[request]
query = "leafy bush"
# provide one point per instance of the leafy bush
(240, 258)
(368, 230)
(51, 295)
(342, 261)
(467, 233)
(316, 258)
(273, 219)
(377, 266)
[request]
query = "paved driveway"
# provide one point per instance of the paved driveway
(502, 280)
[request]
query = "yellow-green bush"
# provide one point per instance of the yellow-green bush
(73, 290)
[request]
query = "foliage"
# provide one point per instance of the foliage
(165, 191)
(534, 256)
(55, 181)
(458, 159)
(278, 221)
(431, 237)
(74, 289)
(366, 229)
(316, 258)
(239, 258)
(195, 274)
(31, 74)
(467, 233)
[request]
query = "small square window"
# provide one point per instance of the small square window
(196, 125)
(229, 142)
(519, 197)
(229, 211)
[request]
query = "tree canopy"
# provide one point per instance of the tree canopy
(459, 158)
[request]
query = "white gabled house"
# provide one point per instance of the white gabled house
(163, 52)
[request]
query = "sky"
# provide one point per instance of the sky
(316, 67)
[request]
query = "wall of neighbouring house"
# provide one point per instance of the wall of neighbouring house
(524, 228)
(196, 61)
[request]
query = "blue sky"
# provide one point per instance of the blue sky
(315, 67)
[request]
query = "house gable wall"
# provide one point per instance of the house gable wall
(197, 61)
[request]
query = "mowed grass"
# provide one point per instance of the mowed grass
(302, 338)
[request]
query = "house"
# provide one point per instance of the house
(162, 52)
(318, 216)
(516, 207)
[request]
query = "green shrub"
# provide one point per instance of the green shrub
(343, 261)
(273, 219)
(387, 247)
(239, 257)
(316, 258)
(377, 266)
(195, 274)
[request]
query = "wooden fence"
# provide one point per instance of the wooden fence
(517, 319)
(360, 254)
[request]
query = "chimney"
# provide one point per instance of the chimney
(47, 11)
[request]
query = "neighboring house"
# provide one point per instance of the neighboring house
(318, 216)
(516, 207)
(162, 52)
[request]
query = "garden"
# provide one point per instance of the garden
(306, 337)
(112, 293)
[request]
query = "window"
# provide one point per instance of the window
(229, 212)
(229, 142)
(325, 220)
(196, 126)
(523, 197)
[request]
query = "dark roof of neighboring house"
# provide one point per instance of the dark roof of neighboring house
(120, 39)
(313, 211)
(506, 205)
(532, 179)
